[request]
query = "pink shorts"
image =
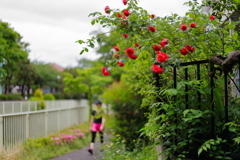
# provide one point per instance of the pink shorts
(96, 127)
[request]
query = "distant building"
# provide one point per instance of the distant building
(57, 67)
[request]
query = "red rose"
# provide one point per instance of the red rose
(157, 69)
(184, 51)
(156, 47)
(125, 35)
(152, 16)
(132, 56)
(105, 72)
(124, 17)
(124, 2)
(107, 9)
(212, 17)
(120, 64)
(164, 42)
(129, 51)
(116, 48)
(162, 57)
(183, 27)
(119, 15)
(126, 13)
(136, 44)
(189, 48)
(115, 55)
(193, 25)
(152, 29)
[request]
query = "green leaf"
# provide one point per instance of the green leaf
(86, 49)
(81, 52)
(199, 151)
(219, 157)
(208, 146)
(93, 22)
(204, 148)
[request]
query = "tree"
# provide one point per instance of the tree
(12, 51)
(87, 81)
(26, 76)
(47, 75)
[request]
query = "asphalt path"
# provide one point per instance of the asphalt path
(83, 154)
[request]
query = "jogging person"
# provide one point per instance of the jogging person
(97, 123)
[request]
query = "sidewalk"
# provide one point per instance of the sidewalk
(83, 154)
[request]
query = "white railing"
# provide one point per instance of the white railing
(8, 107)
(16, 127)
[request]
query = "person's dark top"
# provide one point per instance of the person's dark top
(97, 117)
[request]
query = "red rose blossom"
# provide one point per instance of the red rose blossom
(115, 55)
(152, 29)
(124, 2)
(193, 25)
(116, 48)
(119, 15)
(126, 13)
(136, 44)
(124, 17)
(129, 51)
(125, 35)
(120, 64)
(212, 17)
(183, 27)
(157, 69)
(184, 51)
(132, 56)
(156, 47)
(189, 48)
(162, 57)
(164, 42)
(152, 16)
(107, 9)
(105, 72)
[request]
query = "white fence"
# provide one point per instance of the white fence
(9, 107)
(16, 127)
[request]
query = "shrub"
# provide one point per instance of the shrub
(14, 97)
(48, 96)
(129, 116)
(40, 105)
(38, 93)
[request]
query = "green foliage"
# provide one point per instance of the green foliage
(45, 147)
(117, 150)
(48, 96)
(47, 75)
(14, 97)
(40, 104)
(13, 51)
(38, 94)
(129, 116)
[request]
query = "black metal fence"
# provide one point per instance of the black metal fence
(197, 65)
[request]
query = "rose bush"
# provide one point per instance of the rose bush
(196, 36)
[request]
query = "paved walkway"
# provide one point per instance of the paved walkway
(83, 154)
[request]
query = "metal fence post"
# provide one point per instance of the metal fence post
(27, 125)
(1, 131)
(46, 123)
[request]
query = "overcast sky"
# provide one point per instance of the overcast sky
(52, 26)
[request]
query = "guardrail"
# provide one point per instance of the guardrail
(8, 107)
(16, 127)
